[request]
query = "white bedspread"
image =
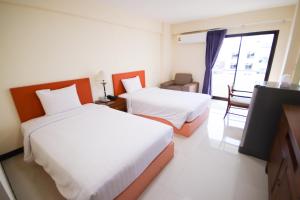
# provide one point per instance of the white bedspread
(175, 106)
(94, 152)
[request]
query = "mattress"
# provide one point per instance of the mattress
(94, 152)
(175, 106)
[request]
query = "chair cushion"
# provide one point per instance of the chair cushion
(240, 101)
(174, 87)
(191, 87)
(183, 78)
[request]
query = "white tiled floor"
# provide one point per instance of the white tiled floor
(206, 166)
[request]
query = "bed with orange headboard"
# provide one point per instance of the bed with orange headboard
(28, 107)
(188, 127)
(117, 80)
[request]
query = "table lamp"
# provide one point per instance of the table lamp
(101, 78)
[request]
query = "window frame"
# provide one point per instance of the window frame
(271, 57)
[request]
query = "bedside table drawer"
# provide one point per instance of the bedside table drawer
(120, 107)
(118, 104)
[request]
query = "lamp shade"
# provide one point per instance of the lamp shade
(100, 76)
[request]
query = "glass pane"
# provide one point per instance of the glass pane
(224, 68)
(253, 61)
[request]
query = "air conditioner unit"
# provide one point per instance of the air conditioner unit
(192, 38)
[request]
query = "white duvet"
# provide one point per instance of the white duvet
(175, 106)
(94, 152)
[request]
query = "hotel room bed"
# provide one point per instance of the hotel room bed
(87, 155)
(184, 111)
(175, 106)
(93, 151)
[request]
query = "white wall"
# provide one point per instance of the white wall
(292, 64)
(45, 41)
(166, 53)
(191, 57)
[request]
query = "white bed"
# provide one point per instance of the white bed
(91, 155)
(175, 106)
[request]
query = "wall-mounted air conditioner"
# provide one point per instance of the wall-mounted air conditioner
(192, 38)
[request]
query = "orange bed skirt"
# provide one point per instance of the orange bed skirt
(135, 189)
(188, 128)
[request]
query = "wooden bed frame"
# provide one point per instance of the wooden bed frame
(188, 127)
(28, 107)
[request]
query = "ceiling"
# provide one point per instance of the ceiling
(175, 11)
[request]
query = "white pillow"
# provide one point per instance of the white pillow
(132, 84)
(56, 101)
(124, 95)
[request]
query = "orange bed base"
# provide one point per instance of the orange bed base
(188, 128)
(135, 189)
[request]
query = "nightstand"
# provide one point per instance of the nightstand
(118, 104)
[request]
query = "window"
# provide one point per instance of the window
(244, 61)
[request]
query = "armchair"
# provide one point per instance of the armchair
(182, 82)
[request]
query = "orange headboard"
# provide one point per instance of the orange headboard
(28, 105)
(118, 85)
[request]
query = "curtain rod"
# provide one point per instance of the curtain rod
(239, 26)
(191, 32)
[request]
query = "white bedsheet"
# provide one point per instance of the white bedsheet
(175, 106)
(94, 152)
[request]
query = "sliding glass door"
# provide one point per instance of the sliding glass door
(244, 61)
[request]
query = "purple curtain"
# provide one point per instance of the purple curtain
(214, 40)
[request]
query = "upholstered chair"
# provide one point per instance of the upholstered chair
(182, 82)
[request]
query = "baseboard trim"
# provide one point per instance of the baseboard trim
(11, 154)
